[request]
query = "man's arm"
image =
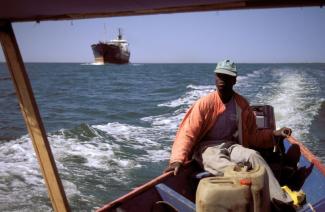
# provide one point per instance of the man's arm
(189, 133)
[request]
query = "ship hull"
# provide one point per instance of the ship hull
(110, 53)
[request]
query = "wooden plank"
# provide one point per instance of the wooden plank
(32, 118)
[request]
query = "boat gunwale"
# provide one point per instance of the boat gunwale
(308, 154)
(140, 189)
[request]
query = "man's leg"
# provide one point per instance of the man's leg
(238, 153)
(214, 159)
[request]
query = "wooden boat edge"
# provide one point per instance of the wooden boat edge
(308, 154)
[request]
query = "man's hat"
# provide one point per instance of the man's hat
(226, 67)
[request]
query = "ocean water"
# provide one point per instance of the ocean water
(111, 127)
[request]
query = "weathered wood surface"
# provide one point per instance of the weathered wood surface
(32, 117)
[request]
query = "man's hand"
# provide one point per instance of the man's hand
(283, 132)
(173, 167)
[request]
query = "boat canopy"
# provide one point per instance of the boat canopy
(41, 10)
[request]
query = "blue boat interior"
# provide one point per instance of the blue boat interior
(313, 185)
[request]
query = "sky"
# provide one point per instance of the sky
(245, 36)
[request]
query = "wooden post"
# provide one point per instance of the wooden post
(32, 118)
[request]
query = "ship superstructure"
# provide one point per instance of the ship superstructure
(115, 51)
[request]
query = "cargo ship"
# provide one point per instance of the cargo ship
(115, 51)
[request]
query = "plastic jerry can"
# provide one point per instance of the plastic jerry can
(222, 194)
(259, 184)
(238, 190)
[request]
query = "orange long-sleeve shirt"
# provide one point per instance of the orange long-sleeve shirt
(201, 117)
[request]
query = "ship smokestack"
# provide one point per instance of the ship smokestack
(119, 34)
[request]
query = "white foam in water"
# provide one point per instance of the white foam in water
(292, 93)
(250, 81)
(18, 158)
(190, 97)
(139, 138)
(137, 64)
(167, 122)
(97, 153)
(93, 152)
(294, 104)
(166, 125)
(92, 64)
(20, 176)
(148, 139)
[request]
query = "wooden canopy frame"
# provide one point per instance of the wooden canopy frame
(32, 118)
(42, 10)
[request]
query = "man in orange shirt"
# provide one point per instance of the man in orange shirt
(220, 130)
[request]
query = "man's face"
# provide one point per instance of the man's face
(225, 82)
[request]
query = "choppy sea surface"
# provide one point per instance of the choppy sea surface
(111, 127)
